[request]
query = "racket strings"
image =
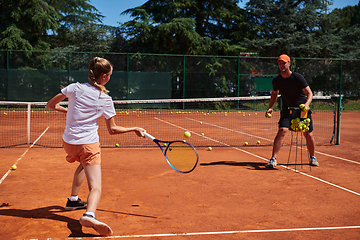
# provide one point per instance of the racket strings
(182, 156)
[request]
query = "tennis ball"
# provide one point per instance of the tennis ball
(306, 109)
(258, 142)
(187, 134)
(268, 115)
(302, 106)
(164, 144)
(246, 143)
(200, 122)
(13, 167)
(209, 148)
(184, 140)
(5, 113)
(202, 134)
(117, 145)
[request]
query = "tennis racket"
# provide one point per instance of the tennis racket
(180, 155)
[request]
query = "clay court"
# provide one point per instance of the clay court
(230, 195)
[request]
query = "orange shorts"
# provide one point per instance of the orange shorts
(86, 154)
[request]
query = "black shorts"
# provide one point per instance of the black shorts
(284, 121)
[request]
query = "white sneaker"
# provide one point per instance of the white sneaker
(272, 163)
(313, 161)
(91, 222)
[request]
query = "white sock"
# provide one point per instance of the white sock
(91, 214)
(74, 198)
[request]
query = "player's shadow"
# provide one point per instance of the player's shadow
(48, 213)
(254, 165)
(51, 213)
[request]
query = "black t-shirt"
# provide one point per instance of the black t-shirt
(291, 89)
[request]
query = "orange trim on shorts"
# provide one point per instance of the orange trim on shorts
(86, 154)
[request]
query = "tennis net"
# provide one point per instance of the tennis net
(211, 122)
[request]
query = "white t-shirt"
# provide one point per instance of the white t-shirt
(86, 105)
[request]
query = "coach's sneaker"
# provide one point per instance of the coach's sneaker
(272, 163)
(313, 161)
(73, 205)
(89, 221)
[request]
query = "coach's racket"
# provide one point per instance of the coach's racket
(180, 155)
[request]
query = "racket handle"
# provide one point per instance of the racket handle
(149, 136)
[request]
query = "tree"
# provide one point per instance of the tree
(186, 27)
(24, 24)
(41, 24)
(348, 29)
(299, 28)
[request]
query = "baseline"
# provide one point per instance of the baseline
(231, 232)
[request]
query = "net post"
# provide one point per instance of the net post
(339, 107)
(238, 81)
(184, 67)
(28, 122)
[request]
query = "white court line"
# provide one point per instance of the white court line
(231, 130)
(239, 149)
(229, 232)
(9, 171)
(340, 158)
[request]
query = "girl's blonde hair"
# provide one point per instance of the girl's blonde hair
(97, 67)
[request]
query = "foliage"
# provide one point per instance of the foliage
(303, 29)
(43, 24)
(186, 27)
(348, 29)
(284, 26)
(24, 24)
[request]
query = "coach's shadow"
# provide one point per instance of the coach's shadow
(254, 165)
(48, 213)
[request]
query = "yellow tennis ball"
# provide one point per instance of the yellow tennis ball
(200, 122)
(268, 115)
(13, 167)
(209, 148)
(258, 142)
(187, 134)
(116, 145)
(202, 134)
(246, 143)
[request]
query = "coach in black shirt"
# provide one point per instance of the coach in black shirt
(294, 91)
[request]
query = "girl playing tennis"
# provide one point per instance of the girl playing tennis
(88, 102)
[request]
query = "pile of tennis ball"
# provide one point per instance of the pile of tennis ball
(300, 124)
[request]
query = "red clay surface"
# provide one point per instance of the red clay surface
(230, 190)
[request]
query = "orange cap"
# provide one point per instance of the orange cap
(284, 58)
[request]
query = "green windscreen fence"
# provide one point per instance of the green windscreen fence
(41, 85)
(263, 84)
(37, 75)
